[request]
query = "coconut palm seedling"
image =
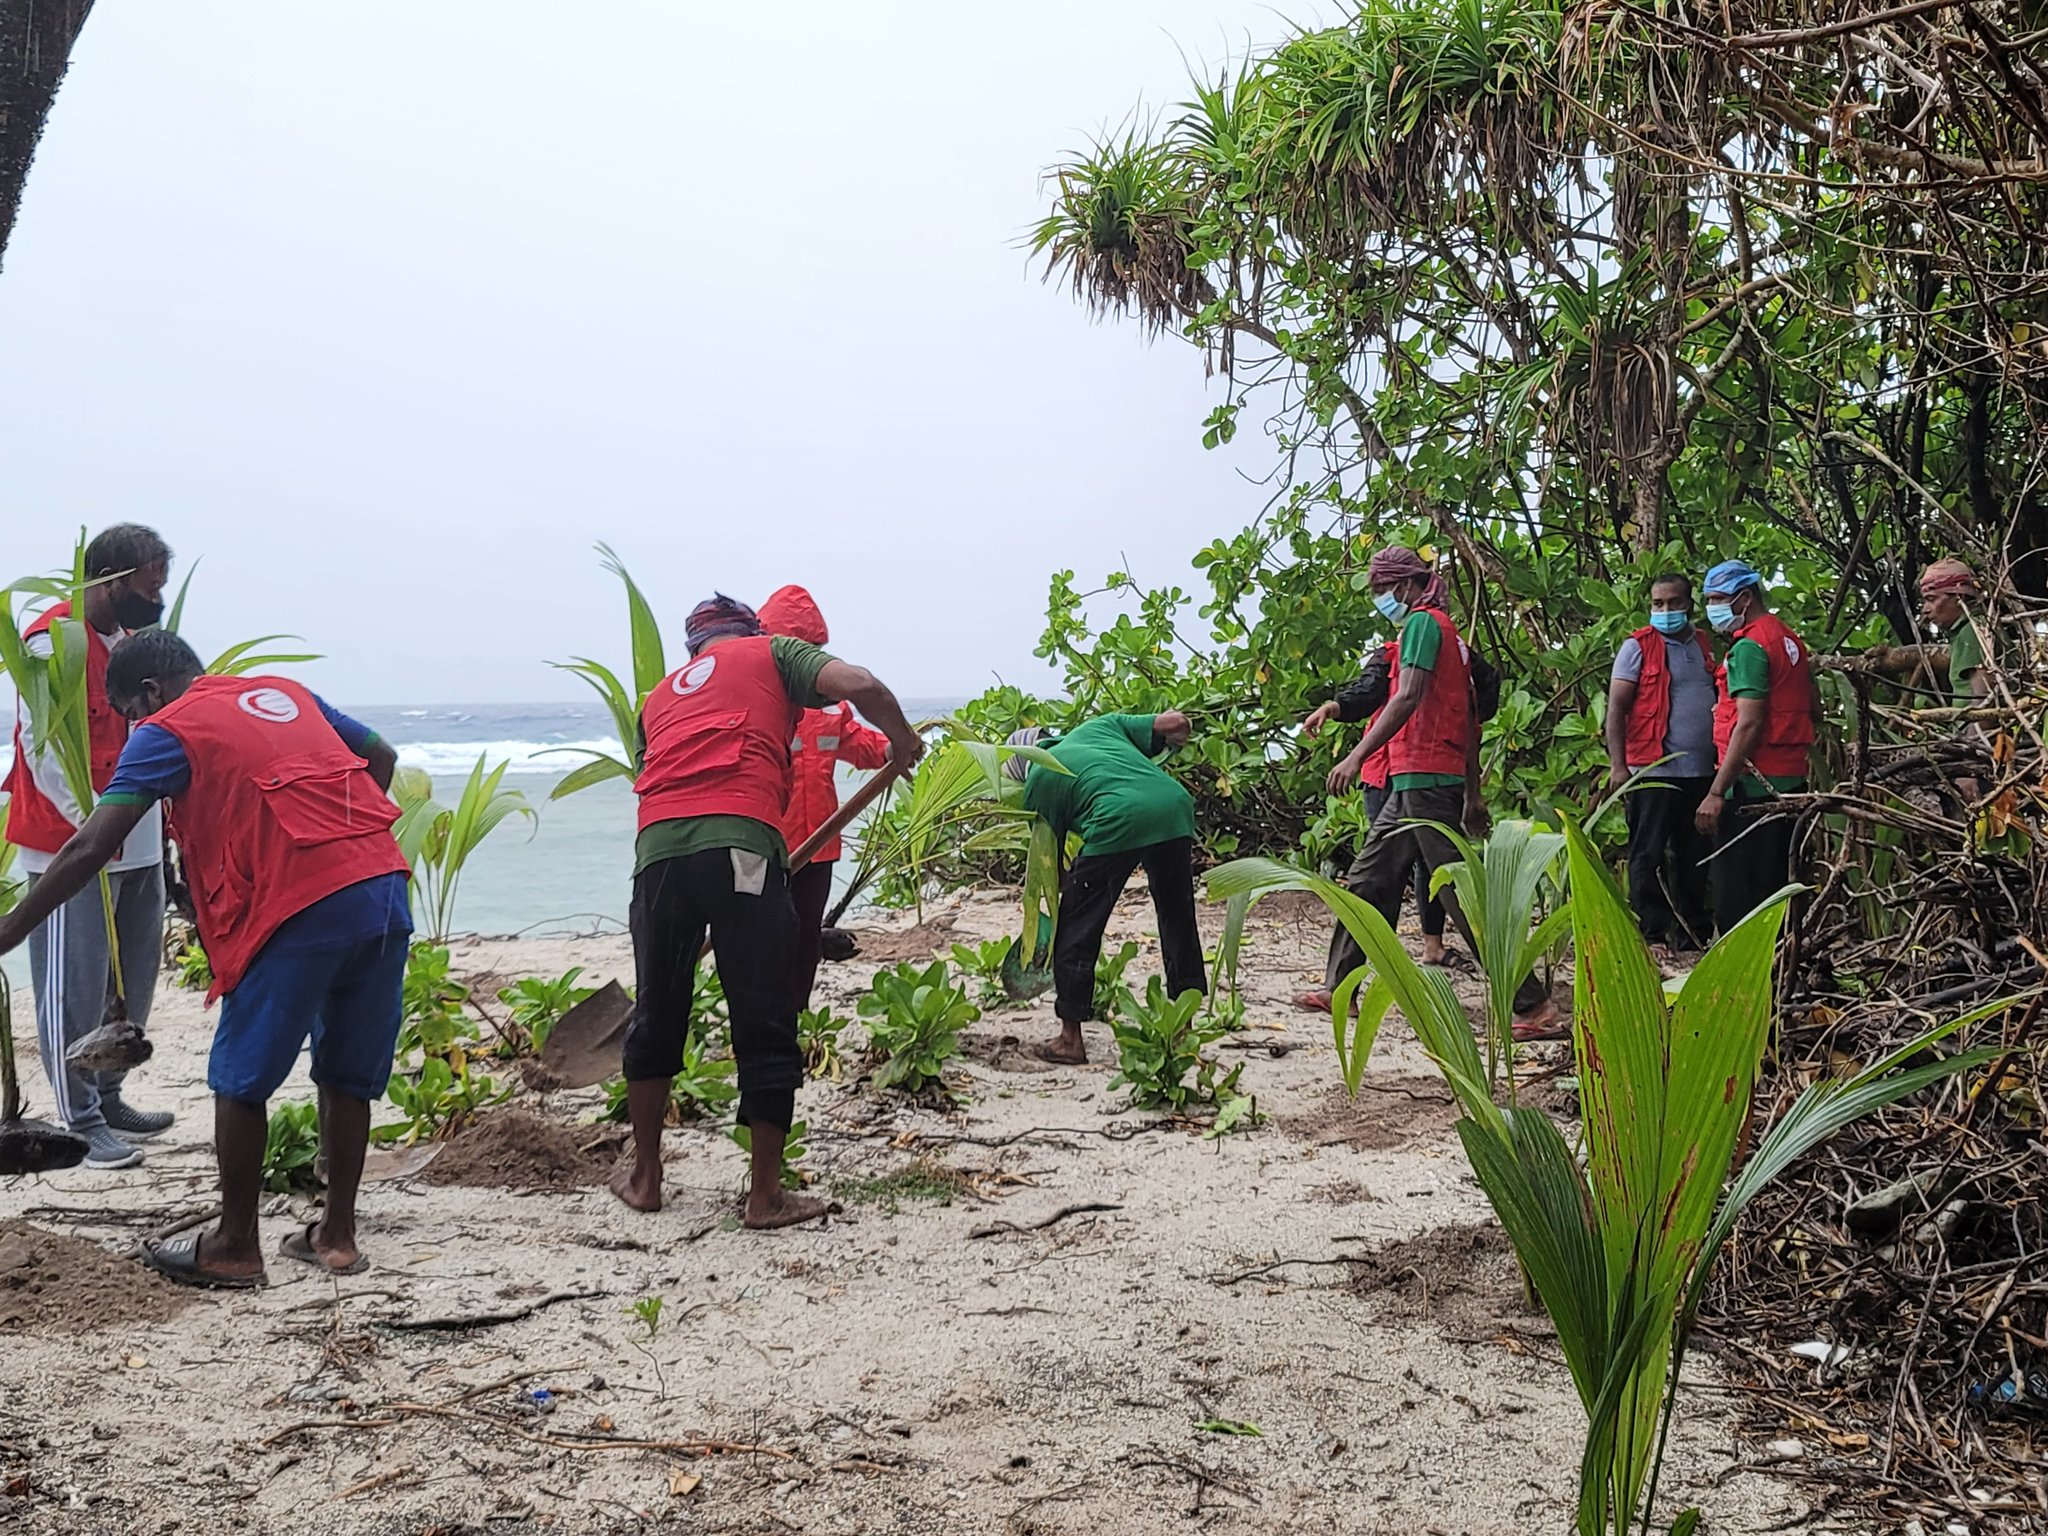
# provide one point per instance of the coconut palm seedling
(914, 1019)
(1619, 1250)
(649, 667)
(793, 1150)
(437, 840)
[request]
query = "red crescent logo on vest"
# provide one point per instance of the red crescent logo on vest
(695, 675)
(269, 704)
(1792, 650)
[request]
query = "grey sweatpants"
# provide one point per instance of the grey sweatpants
(72, 972)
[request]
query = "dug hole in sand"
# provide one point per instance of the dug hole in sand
(939, 1357)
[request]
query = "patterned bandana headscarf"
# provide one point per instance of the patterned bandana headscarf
(1949, 576)
(1397, 562)
(718, 618)
(1016, 767)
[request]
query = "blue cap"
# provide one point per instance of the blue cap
(1731, 576)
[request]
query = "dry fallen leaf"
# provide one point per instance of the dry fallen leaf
(135, 1362)
(604, 1425)
(681, 1484)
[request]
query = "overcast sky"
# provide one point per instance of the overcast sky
(390, 310)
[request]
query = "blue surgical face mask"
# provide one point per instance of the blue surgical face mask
(1721, 616)
(1671, 623)
(1390, 606)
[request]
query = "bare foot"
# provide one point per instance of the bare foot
(1544, 1022)
(638, 1187)
(1066, 1049)
(782, 1208)
(215, 1257)
(1432, 951)
(1313, 1002)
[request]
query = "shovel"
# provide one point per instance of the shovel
(585, 1046)
(27, 1146)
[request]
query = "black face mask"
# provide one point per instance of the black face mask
(134, 611)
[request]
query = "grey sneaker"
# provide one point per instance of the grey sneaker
(105, 1151)
(135, 1124)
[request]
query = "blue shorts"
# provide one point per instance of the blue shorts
(348, 998)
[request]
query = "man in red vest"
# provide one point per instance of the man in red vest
(1764, 729)
(1361, 699)
(1660, 710)
(714, 786)
(278, 804)
(70, 959)
(1430, 729)
(824, 739)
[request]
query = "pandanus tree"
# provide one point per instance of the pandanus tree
(36, 38)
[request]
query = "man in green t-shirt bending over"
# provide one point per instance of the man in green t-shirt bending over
(1129, 812)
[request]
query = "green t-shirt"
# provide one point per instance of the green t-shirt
(1421, 638)
(1112, 793)
(1749, 677)
(799, 662)
(1965, 658)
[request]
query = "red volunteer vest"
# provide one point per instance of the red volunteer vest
(1434, 739)
(279, 813)
(718, 733)
(32, 820)
(1375, 770)
(1649, 718)
(1788, 718)
(824, 739)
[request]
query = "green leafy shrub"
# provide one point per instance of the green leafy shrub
(194, 971)
(984, 962)
(793, 1149)
(434, 1023)
(292, 1148)
(914, 1019)
(437, 1101)
(703, 1089)
(538, 1003)
(1110, 991)
(817, 1032)
(1159, 1043)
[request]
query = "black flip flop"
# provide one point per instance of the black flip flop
(299, 1245)
(176, 1258)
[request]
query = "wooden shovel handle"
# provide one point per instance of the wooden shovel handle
(836, 823)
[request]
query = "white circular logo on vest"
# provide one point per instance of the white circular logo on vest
(1792, 650)
(269, 704)
(695, 675)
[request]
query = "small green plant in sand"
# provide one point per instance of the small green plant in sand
(984, 962)
(292, 1149)
(924, 1180)
(704, 1088)
(914, 1019)
(648, 1310)
(794, 1148)
(538, 1003)
(437, 1101)
(193, 970)
(1159, 1043)
(434, 1023)
(817, 1032)
(1110, 992)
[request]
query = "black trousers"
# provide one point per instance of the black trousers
(1088, 895)
(1754, 860)
(1431, 909)
(675, 904)
(1384, 867)
(1667, 861)
(811, 889)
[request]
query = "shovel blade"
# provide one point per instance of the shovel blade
(585, 1047)
(36, 1146)
(113, 1047)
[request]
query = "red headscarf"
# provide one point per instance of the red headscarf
(1397, 562)
(1949, 576)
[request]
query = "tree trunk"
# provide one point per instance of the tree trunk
(36, 37)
